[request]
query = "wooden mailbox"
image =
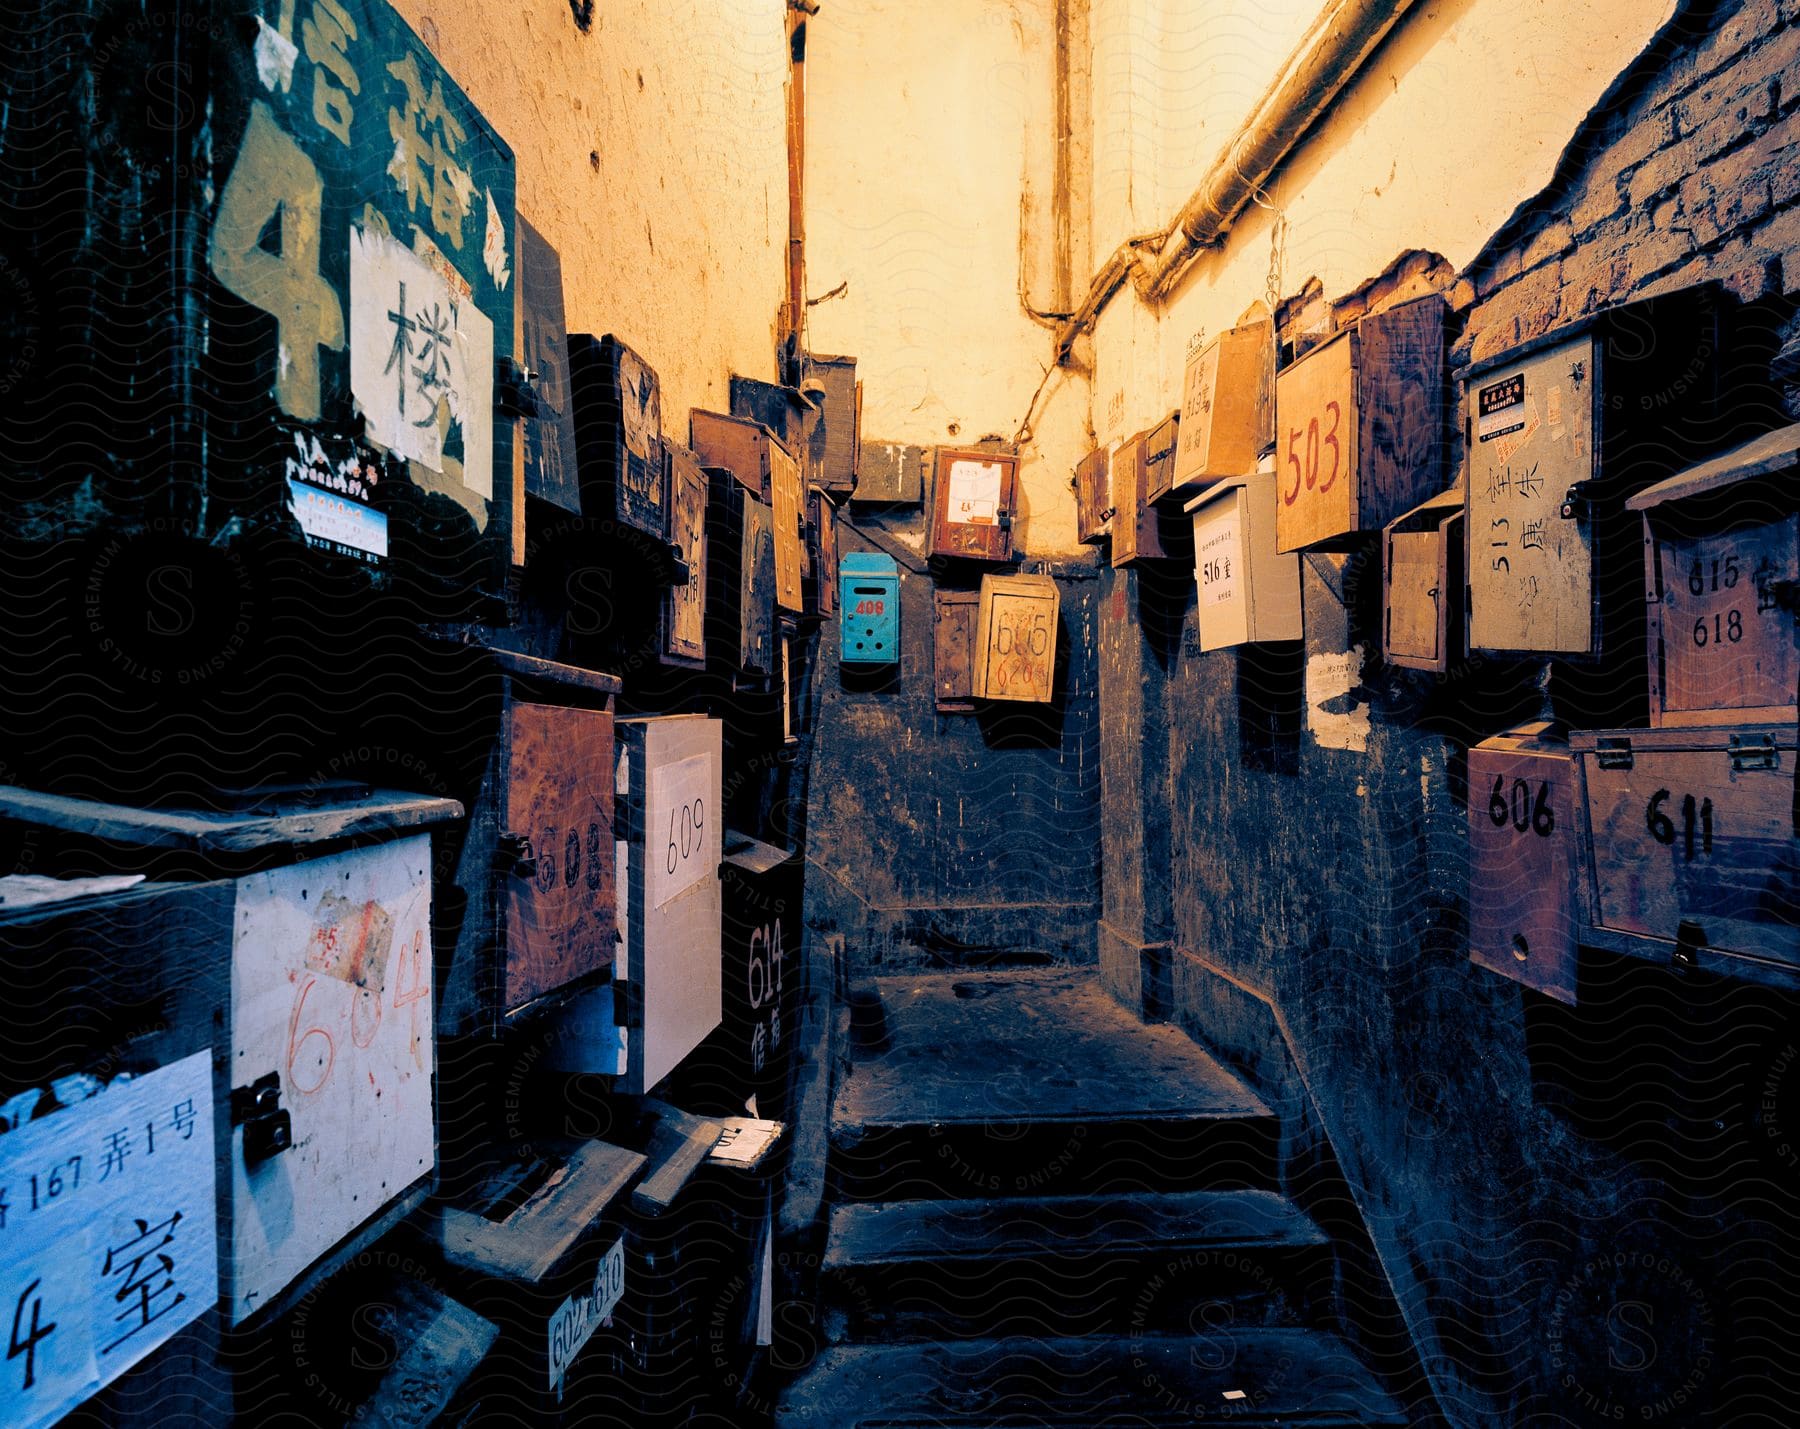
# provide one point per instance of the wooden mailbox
(1422, 584)
(756, 456)
(1695, 852)
(954, 614)
(972, 510)
(837, 436)
(1249, 592)
(1525, 833)
(1722, 558)
(618, 426)
(1227, 408)
(682, 623)
(1141, 529)
(1359, 426)
(536, 868)
(740, 575)
(1015, 638)
(821, 583)
(551, 473)
(1093, 496)
(742, 445)
(1559, 432)
(670, 827)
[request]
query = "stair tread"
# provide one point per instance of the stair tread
(1285, 1376)
(1029, 1046)
(896, 1232)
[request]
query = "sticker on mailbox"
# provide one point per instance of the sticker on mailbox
(974, 492)
(1500, 408)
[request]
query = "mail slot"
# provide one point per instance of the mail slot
(1525, 825)
(1722, 572)
(869, 608)
(1695, 854)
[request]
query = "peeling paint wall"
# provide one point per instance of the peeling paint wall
(652, 155)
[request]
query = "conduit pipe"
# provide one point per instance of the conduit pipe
(1328, 57)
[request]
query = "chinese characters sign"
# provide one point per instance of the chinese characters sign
(107, 1233)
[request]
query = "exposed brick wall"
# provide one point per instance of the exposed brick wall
(1688, 171)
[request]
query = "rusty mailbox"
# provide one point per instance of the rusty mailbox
(1248, 591)
(1015, 638)
(821, 583)
(1093, 496)
(1722, 563)
(1142, 530)
(768, 470)
(954, 614)
(869, 602)
(618, 426)
(1359, 426)
(1227, 409)
(1525, 836)
(682, 622)
(1422, 584)
(1695, 846)
(972, 509)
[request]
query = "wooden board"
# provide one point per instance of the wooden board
(1247, 590)
(740, 575)
(756, 590)
(1696, 826)
(786, 502)
(822, 562)
(1532, 436)
(1093, 496)
(549, 433)
(618, 423)
(1015, 638)
(972, 508)
(739, 444)
(954, 614)
(332, 992)
(538, 1234)
(684, 606)
(559, 915)
(1316, 443)
(891, 473)
(1227, 406)
(1525, 823)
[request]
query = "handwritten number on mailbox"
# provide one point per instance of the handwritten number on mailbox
(593, 857)
(1522, 812)
(1308, 471)
(692, 819)
(1662, 827)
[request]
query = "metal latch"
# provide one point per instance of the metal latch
(1614, 752)
(1752, 752)
(268, 1129)
(1690, 937)
(517, 854)
(1107, 514)
(1579, 500)
(516, 392)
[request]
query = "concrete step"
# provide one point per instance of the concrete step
(1187, 1261)
(1243, 1377)
(1033, 1083)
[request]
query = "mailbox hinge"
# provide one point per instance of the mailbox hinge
(1614, 752)
(1752, 752)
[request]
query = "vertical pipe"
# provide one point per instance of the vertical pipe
(792, 337)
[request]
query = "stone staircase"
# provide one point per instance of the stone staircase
(1044, 1212)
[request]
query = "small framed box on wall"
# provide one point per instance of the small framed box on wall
(972, 510)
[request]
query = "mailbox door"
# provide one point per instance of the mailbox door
(738, 444)
(1092, 498)
(953, 648)
(1316, 458)
(1697, 826)
(684, 606)
(331, 991)
(559, 915)
(1015, 656)
(822, 536)
(1136, 529)
(1728, 651)
(1531, 437)
(974, 505)
(756, 593)
(550, 471)
(1524, 824)
(785, 500)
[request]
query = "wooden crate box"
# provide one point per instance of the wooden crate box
(1015, 638)
(1359, 426)
(1525, 833)
(1227, 408)
(740, 573)
(1422, 584)
(740, 444)
(954, 614)
(1722, 558)
(1141, 529)
(837, 435)
(1249, 592)
(972, 509)
(1093, 496)
(1695, 851)
(618, 424)
(682, 624)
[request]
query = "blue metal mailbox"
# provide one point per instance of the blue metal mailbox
(869, 608)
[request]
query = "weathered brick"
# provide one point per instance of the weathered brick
(1663, 172)
(1502, 268)
(1591, 272)
(1597, 201)
(1554, 239)
(1652, 249)
(1735, 34)
(1737, 190)
(1780, 238)
(1522, 310)
(1741, 97)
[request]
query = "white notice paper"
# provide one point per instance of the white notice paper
(107, 1237)
(974, 492)
(680, 843)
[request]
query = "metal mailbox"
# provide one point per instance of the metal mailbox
(1559, 432)
(683, 615)
(329, 1025)
(618, 425)
(954, 613)
(1422, 584)
(1525, 832)
(1093, 496)
(669, 823)
(740, 575)
(1695, 846)
(1722, 573)
(837, 435)
(1359, 426)
(1249, 592)
(1015, 638)
(972, 509)
(1227, 408)
(821, 555)
(869, 609)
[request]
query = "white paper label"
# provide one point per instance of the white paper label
(1218, 563)
(681, 845)
(108, 1244)
(576, 1319)
(974, 492)
(421, 361)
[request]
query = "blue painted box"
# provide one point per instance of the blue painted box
(869, 608)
